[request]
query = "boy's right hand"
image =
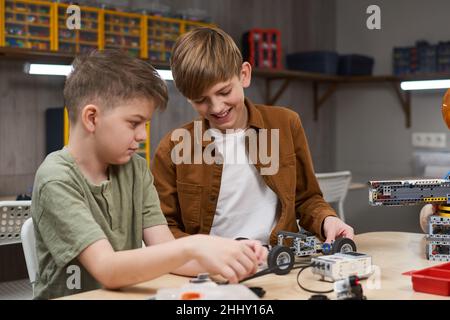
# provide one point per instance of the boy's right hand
(427, 211)
(233, 260)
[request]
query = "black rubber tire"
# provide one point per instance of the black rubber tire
(343, 245)
(281, 255)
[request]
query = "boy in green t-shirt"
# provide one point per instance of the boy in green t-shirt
(94, 201)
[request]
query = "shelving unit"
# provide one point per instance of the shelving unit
(124, 31)
(41, 25)
(89, 37)
(26, 24)
(162, 33)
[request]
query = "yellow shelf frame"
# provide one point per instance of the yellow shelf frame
(144, 34)
(147, 145)
(66, 127)
(2, 23)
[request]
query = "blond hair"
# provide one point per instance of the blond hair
(202, 58)
(109, 77)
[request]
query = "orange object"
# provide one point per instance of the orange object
(190, 296)
(446, 108)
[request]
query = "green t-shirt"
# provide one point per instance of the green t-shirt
(69, 214)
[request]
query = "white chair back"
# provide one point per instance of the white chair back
(29, 250)
(334, 186)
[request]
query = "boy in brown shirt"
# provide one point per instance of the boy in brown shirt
(257, 177)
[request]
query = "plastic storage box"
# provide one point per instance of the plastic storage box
(423, 58)
(443, 57)
(314, 61)
(262, 48)
(426, 57)
(355, 65)
(434, 280)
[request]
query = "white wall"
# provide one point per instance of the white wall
(371, 138)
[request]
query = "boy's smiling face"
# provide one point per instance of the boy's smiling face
(223, 104)
(120, 130)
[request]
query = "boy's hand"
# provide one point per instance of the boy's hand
(435, 208)
(334, 227)
(260, 251)
(427, 211)
(233, 260)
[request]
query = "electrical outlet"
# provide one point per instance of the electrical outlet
(440, 140)
(429, 140)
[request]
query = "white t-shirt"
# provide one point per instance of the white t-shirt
(246, 207)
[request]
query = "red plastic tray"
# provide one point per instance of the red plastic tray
(434, 280)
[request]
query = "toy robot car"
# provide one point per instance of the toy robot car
(282, 256)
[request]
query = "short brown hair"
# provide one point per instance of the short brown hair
(202, 58)
(111, 76)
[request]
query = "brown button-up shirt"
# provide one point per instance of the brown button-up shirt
(188, 192)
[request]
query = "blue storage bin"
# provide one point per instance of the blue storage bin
(313, 61)
(443, 57)
(427, 58)
(355, 65)
(402, 60)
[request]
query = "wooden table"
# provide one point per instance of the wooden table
(8, 198)
(393, 252)
(358, 185)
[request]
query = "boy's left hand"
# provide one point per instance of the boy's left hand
(260, 251)
(334, 227)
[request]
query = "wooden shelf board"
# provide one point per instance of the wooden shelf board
(333, 81)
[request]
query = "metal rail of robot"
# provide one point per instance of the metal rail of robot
(409, 192)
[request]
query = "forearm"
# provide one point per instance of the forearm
(312, 213)
(191, 268)
(161, 234)
(124, 268)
